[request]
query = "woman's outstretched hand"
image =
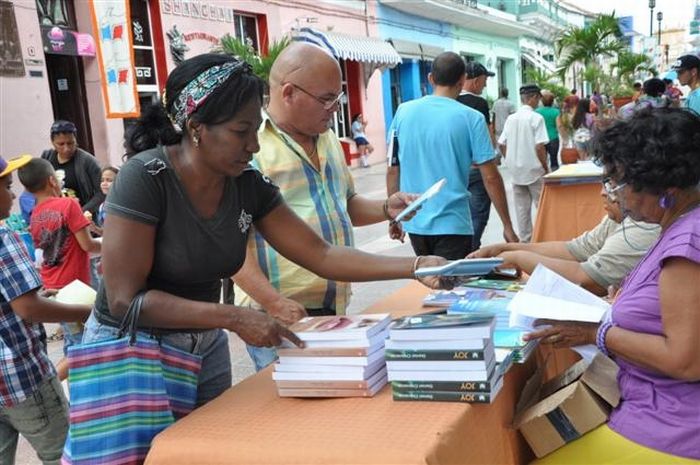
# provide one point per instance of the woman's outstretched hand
(261, 330)
(435, 282)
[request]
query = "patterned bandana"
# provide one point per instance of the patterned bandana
(196, 92)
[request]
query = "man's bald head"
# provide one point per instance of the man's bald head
(305, 85)
(301, 62)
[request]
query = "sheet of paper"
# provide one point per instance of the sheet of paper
(77, 292)
(548, 295)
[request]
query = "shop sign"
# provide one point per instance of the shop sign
(59, 41)
(201, 36)
(198, 9)
(144, 66)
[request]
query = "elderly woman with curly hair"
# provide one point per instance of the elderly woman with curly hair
(652, 167)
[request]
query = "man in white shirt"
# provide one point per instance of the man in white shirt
(522, 145)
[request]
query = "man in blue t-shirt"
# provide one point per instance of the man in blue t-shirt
(438, 137)
(688, 69)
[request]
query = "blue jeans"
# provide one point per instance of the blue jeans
(212, 345)
(42, 418)
(479, 206)
(72, 334)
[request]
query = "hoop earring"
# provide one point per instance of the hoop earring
(195, 140)
(667, 201)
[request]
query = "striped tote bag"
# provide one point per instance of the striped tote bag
(123, 392)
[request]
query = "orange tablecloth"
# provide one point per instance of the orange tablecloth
(250, 424)
(566, 210)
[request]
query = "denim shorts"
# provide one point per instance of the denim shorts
(212, 345)
(42, 418)
(72, 334)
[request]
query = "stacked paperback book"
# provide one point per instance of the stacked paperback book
(343, 357)
(443, 358)
(491, 296)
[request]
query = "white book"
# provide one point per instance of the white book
(436, 327)
(318, 376)
(422, 375)
(340, 327)
(441, 365)
(324, 360)
(449, 344)
(373, 342)
(307, 368)
(333, 392)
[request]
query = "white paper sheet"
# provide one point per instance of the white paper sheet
(548, 295)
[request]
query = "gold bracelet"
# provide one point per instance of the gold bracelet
(415, 265)
(385, 208)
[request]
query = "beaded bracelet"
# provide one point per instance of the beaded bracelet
(600, 337)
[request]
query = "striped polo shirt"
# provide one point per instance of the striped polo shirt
(319, 198)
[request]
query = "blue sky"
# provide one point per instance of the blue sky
(677, 13)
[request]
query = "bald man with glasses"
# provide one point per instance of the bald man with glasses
(305, 159)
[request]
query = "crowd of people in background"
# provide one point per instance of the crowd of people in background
(263, 196)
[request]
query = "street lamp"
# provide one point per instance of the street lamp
(652, 5)
(659, 18)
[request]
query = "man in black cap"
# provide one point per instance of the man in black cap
(479, 202)
(522, 144)
(688, 69)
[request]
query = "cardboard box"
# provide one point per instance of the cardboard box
(570, 405)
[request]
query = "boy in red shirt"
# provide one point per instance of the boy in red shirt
(59, 228)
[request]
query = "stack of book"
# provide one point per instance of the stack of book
(443, 358)
(343, 357)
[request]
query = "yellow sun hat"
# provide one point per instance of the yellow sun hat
(7, 167)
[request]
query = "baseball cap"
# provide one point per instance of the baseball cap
(686, 62)
(530, 89)
(7, 167)
(62, 126)
(474, 69)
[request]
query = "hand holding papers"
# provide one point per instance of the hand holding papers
(548, 296)
(434, 189)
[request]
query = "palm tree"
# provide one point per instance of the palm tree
(629, 64)
(586, 45)
(244, 50)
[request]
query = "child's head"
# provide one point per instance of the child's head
(108, 175)
(6, 194)
(39, 177)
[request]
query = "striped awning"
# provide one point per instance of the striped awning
(355, 48)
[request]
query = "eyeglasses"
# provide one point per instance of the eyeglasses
(328, 104)
(610, 190)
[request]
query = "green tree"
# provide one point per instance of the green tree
(588, 44)
(261, 64)
(629, 64)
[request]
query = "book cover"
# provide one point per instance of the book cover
(463, 267)
(477, 397)
(365, 370)
(439, 365)
(330, 360)
(370, 343)
(440, 375)
(498, 284)
(444, 298)
(329, 351)
(426, 327)
(435, 355)
(448, 344)
(427, 386)
(359, 375)
(333, 392)
(338, 384)
(340, 327)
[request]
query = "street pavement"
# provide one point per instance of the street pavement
(369, 182)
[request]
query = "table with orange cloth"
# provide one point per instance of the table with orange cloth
(251, 424)
(567, 208)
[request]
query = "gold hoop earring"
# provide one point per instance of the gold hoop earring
(195, 140)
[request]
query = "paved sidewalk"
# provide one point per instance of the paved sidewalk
(369, 182)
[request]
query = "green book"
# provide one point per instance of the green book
(435, 355)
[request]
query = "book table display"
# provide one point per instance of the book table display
(570, 204)
(251, 424)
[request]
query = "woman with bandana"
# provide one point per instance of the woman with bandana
(179, 213)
